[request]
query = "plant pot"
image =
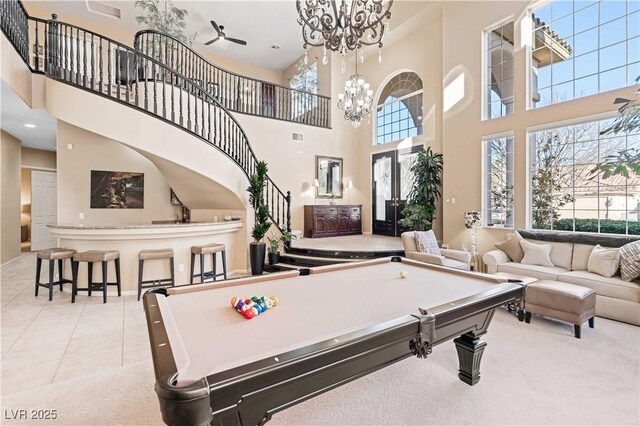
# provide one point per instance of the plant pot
(256, 257)
(274, 258)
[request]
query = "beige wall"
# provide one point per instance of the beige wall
(463, 129)
(418, 49)
(38, 158)
(93, 152)
(292, 164)
(9, 197)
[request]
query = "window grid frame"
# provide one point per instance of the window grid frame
(387, 137)
(598, 49)
(597, 188)
(486, 171)
(486, 81)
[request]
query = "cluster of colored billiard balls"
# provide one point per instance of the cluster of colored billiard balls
(251, 307)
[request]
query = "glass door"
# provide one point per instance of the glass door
(392, 182)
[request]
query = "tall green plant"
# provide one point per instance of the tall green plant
(256, 198)
(627, 122)
(163, 16)
(420, 210)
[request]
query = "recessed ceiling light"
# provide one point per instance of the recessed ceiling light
(275, 47)
(29, 125)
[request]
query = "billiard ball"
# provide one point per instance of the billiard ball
(403, 274)
(274, 300)
(249, 314)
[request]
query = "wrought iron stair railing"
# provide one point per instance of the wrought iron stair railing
(236, 92)
(105, 67)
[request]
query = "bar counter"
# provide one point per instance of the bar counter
(130, 239)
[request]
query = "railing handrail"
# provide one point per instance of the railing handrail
(159, 64)
(52, 29)
(160, 33)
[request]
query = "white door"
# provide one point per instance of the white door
(43, 209)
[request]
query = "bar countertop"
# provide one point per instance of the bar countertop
(145, 226)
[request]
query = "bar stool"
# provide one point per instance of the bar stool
(212, 249)
(159, 254)
(53, 254)
(91, 257)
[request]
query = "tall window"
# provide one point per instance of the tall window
(399, 112)
(499, 72)
(498, 182)
(568, 194)
(305, 83)
(581, 48)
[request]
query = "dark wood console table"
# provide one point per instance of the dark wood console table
(332, 221)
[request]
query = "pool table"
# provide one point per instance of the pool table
(332, 324)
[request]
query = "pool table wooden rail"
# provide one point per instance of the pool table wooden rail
(252, 393)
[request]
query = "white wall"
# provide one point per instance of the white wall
(94, 152)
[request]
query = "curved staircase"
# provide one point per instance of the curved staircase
(101, 66)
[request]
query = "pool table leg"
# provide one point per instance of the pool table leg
(470, 350)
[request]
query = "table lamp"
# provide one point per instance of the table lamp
(472, 221)
(316, 185)
(349, 187)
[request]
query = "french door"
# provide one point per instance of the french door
(392, 181)
(43, 209)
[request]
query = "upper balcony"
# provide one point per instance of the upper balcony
(235, 92)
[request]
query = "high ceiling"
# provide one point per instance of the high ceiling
(14, 114)
(261, 23)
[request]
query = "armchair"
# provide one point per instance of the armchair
(457, 259)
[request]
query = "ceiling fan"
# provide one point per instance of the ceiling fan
(222, 36)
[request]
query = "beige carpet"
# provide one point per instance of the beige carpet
(531, 374)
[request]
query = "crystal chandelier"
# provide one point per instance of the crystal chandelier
(350, 26)
(357, 99)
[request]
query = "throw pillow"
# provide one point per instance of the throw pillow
(604, 261)
(630, 261)
(427, 242)
(512, 247)
(536, 254)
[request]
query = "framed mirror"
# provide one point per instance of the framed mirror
(328, 177)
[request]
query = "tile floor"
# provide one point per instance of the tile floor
(47, 342)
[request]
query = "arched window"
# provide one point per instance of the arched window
(399, 110)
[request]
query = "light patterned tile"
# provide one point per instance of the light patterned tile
(86, 363)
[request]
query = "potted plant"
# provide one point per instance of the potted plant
(273, 250)
(275, 243)
(262, 224)
(420, 210)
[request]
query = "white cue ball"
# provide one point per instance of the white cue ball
(403, 274)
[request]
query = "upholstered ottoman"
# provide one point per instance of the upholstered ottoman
(563, 301)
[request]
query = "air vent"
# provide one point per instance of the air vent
(297, 137)
(103, 9)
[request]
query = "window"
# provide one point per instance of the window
(499, 71)
(498, 182)
(399, 111)
(582, 48)
(305, 83)
(568, 194)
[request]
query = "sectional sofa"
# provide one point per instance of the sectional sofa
(615, 299)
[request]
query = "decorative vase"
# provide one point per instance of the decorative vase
(256, 256)
(274, 258)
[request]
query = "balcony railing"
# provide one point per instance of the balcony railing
(105, 67)
(236, 92)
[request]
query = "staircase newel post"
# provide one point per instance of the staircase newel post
(288, 210)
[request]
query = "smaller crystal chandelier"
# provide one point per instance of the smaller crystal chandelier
(357, 99)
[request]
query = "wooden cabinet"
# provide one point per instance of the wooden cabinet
(332, 221)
